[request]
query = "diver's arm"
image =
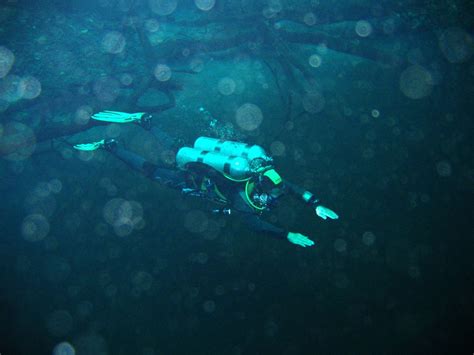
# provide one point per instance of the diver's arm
(259, 225)
(310, 199)
(252, 219)
(263, 226)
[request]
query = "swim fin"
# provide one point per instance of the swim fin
(117, 116)
(90, 146)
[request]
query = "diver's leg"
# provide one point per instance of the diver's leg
(169, 177)
(172, 178)
(133, 160)
(164, 138)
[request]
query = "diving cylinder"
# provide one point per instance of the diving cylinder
(243, 150)
(235, 167)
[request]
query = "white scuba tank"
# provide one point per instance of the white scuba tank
(235, 167)
(230, 148)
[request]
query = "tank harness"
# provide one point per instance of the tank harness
(237, 162)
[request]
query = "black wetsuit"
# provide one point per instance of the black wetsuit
(189, 182)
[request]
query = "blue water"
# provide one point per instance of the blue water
(366, 104)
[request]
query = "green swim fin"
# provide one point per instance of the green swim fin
(117, 116)
(90, 146)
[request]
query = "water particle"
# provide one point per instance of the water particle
(416, 82)
(368, 238)
(310, 19)
(113, 42)
(209, 306)
(162, 72)
(315, 61)
(363, 28)
(11, 89)
(414, 272)
(163, 7)
(456, 45)
(7, 58)
(205, 5)
(17, 142)
(83, 115)
(444, 168)
(249, 117)
(30, 87)
(196, 221)
(152, 25)
(64, 348)
(219, 290)
(277, 148)
(35, 227)
(126, 79)
(59, 323)
(340, 245)
(106, 89)
(314, 102)
(226, 86)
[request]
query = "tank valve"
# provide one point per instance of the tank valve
(226, 211)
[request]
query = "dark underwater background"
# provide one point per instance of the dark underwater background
(368, 104)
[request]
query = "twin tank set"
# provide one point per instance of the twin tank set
(237, 161)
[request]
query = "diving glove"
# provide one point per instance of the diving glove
(90, 146)
(299, 239)
(118, 117)
(326, 213)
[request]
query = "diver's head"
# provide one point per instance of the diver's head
(264, 188)
(271, 183)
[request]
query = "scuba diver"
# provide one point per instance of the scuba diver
(237, 177)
